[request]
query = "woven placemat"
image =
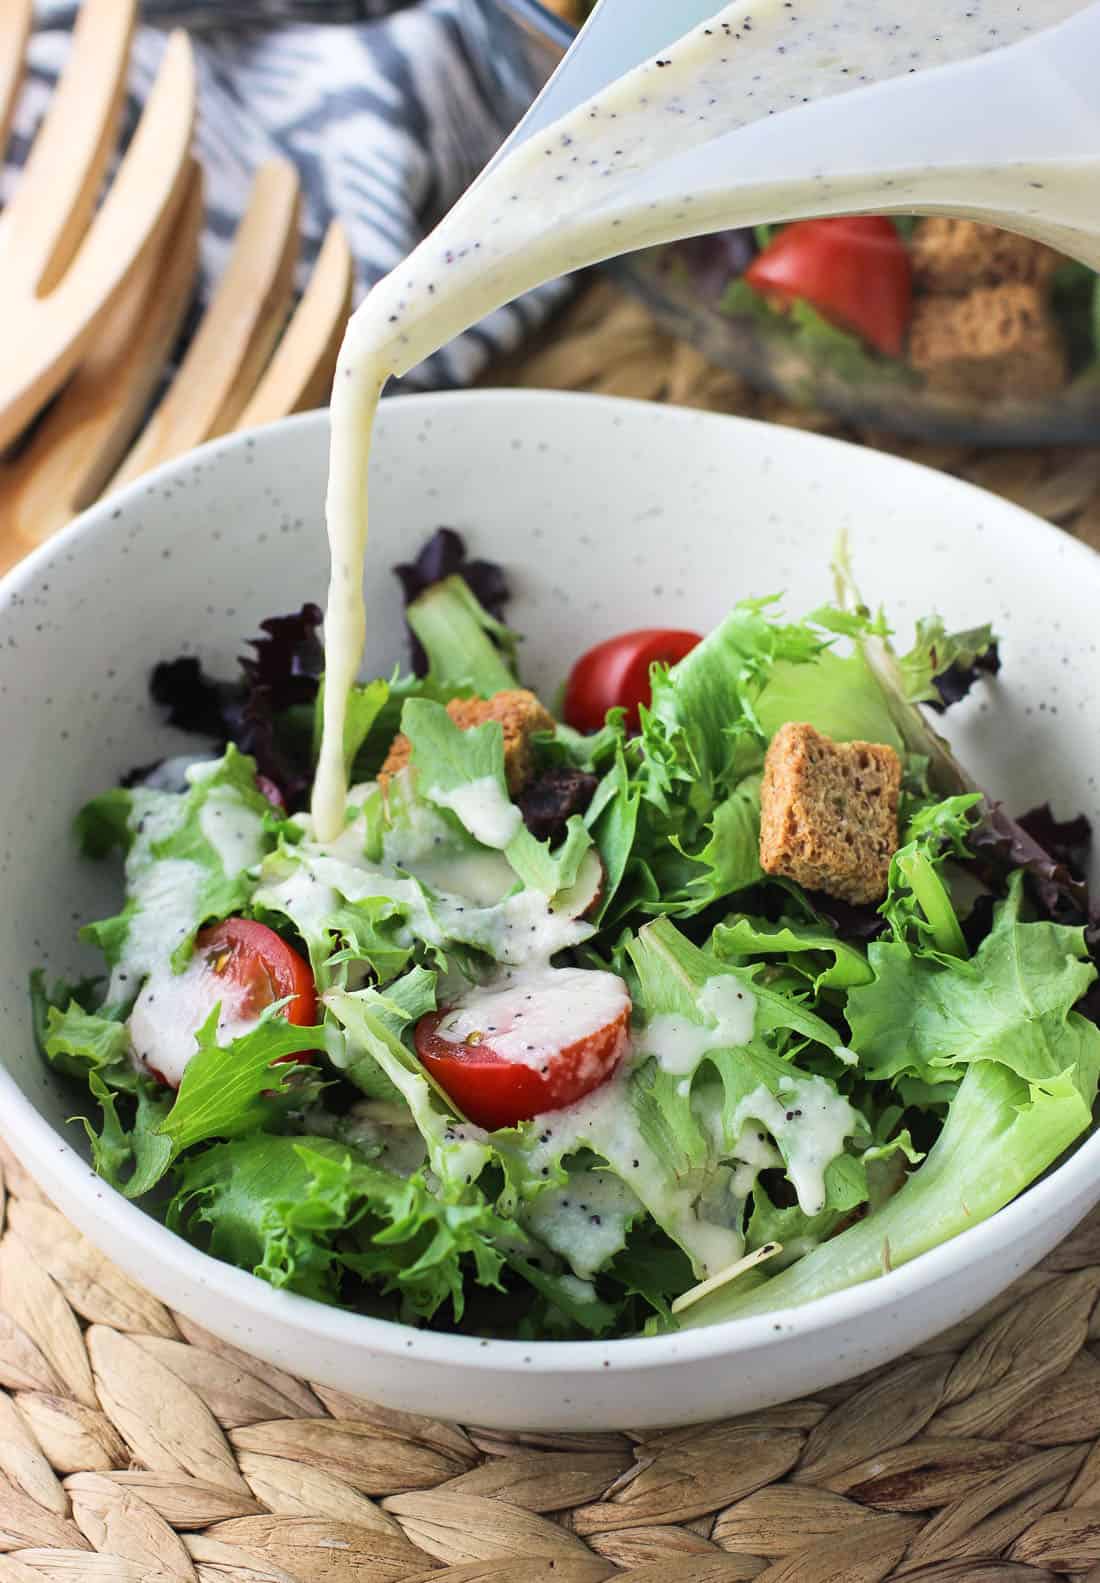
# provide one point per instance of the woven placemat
(137, 1448)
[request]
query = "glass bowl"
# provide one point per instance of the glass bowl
(694, 291)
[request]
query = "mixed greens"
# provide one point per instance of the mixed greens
(813, 1092)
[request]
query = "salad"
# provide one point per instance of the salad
(949, 306)
(714, 988)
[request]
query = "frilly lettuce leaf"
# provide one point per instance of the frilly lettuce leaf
(304, 1215)
(231, 1089)
(227, 1090)
(94, 1049)
(612, 819)
(365, 706)
(457, 1151)
(77, 1042)
(918, 905)
(704, 710)
(804, 945)
(672, 972)
(1012, 1003)
(394, 1008)
(730, 860)
(795, 1230)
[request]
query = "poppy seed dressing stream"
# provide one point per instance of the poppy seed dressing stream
(938, 114)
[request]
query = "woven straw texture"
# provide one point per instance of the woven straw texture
(137, 1448)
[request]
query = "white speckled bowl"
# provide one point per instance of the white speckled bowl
(608, 515)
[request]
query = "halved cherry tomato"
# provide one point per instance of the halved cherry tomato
(495, 1089)
(615, 674)
(261, 964)
(854, 270)
(241, 965)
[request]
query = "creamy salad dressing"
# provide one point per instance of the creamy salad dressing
(235, 831)
(586, 1221)
(589, 187)
(447, 893)
(809, 1121)
(484, 877)
(421, 842)
(531, 1016)
(680, 1044)
(605, 1122)
(165, 895)
(482, 806)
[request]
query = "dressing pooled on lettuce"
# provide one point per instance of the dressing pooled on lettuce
(726, 991)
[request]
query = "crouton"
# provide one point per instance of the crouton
(955, 255)
(998, 343)
(829, 813)
(520, 714)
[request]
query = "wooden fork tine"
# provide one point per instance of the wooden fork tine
(43, 224)
(45, 338)
(299, 376)
(15, 29)
(79, 442)
(238, 330)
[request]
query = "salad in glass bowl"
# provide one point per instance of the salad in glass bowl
(937, 328)
(709, 988)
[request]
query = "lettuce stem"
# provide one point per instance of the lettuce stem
(931, 893)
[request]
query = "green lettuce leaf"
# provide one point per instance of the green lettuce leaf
(802, 945)
(94, 1049)
(612, 819)
(730, 860)
(918, 905)
(131, 1154)
(463, 772)
(229, 1089)
(77, 1042)
(457, 634)
(792, 1228)
(366, 703)
(1000, 1134)
(1011, 1004)
(303, 1215)
(703, 714)
(457, 1151)
(838, 694)
(672, 972)
(396, 1007)
(187, 862)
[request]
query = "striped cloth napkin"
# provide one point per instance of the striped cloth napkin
(388, 108)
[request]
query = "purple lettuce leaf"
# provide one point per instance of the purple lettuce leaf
(1001, 844)
(254, 712)
(955, 682)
